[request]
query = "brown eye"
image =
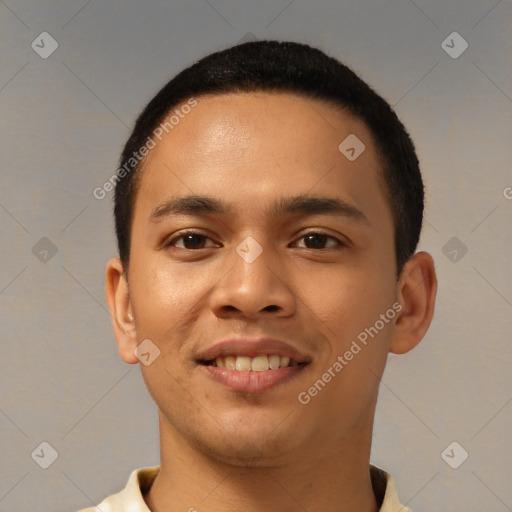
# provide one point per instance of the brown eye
(190, 241)
(318, 241)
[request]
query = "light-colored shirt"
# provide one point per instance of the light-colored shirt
(130, 498)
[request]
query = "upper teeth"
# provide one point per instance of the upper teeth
(255, 364)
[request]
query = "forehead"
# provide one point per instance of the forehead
(247, 148)
(273, 121)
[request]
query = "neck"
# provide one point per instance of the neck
(324, 476)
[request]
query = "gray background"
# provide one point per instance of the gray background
(64, 120)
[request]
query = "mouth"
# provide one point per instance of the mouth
(252, 365)
(257, 363)
(252, 375)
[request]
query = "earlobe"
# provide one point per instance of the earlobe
(417, 290)
(118, 299)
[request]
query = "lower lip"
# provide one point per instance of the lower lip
(253, 382)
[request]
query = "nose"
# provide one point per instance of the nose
(254, 289)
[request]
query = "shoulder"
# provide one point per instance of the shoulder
(385, 491)
(139, 482)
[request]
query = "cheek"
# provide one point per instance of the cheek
(348, 305)
(164, 294)
(349, 312)
(161, 284)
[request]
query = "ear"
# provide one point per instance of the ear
(118, 299)
(417, 288)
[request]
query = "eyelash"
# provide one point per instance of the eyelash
(339, 243)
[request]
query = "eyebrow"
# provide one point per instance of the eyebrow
(302, 204)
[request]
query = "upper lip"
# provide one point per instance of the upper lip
(252, 348)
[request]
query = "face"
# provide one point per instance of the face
(312, 273)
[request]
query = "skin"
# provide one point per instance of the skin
(222, 450)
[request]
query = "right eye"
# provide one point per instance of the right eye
(192, 240)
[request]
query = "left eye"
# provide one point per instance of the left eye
(316, 239)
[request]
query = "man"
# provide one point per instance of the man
(268, 207)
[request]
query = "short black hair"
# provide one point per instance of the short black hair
(279, 66)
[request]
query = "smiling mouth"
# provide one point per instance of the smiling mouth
(259, 363)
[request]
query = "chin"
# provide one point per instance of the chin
(247, 449)
(247, 456)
